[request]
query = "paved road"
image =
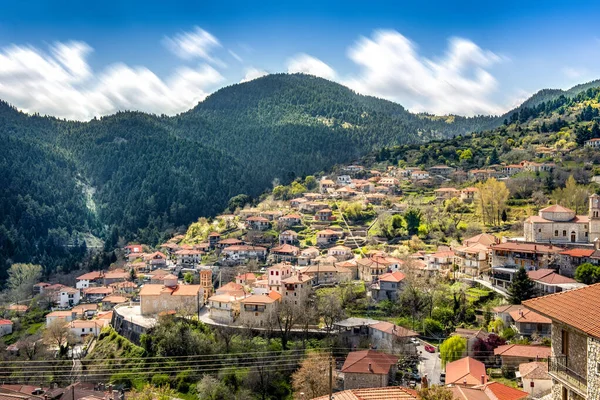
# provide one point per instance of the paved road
(431, 365)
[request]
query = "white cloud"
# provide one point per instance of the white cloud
(574, 73)
(235, 55)
(457, 83)
(193, 45)
(306, 64)
(253, 73)
(61, 83)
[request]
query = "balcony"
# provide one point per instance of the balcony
(558, 367)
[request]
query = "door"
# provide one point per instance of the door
(572, 237)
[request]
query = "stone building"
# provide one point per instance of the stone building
(558, 224)
(171, 296)
(575, 362)
(368, 369)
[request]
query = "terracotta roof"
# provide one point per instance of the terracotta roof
(98, 290)
(466, 369)
(60, 314)
(578, 252)
(380, 393)
(5, 322)
(577, 308)
(528, 316)
(186, 290)
(244, 247)
(116, 275)
(507, 308)
(297, 278)
(339, 248)
(453, 190)
(396, 276)
(214, 234)
(392, 329)
(154, 289)
(270, 298)
(115, 299)
(224, 298)
(286, 249)
(523, 350)
(549, 277)
(483, 238)
(360, 361)
(527, 247)
(230, 241)
(90, 276)
(248, 276)
(534, 370)
(231, 287)
(329, 232)
(557, 208)
(257, 219)
(489, 391)
(289, 232)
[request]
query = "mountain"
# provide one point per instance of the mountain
(139, 176)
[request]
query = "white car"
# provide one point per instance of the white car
(415, 341)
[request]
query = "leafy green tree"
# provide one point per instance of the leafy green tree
(494, 159)
(412, 217)
(188, 278)
(452, 349)
(238, 201)
(310, 182)
(572, 196)
(587, 273)
(522, 287)
(435, 393)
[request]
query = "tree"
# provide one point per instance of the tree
(329, 306)
(412, 217)
(312, 378)
(491, 200)
(238, 201)
(522, 287)
(151, 392)
(504, 216)
(21, 278)
(494, 159)
(587, 273)
(188, 277)
(211, 388)
(572, 196)
(310, 182)
(58, 334)
(452, 349)
(435, 393)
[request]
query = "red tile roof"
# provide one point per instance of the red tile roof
(557, 208)
(578, 252)
(577, 308)
(392, 329)
(392, 277)
(368, 362)
(528, 316)
(522, 350)
(527, 247)
(467, 370)
(503, 392)
(380, 393)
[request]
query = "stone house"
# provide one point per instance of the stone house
(324, 215)
(511, 355)
(326, 274)
(535, 378)
(528, 323)
(570, 259)
(276, 274)
(328, 237)
(575, 361)
(257, 223)
(109, 302)
(558, 224)
(341, 253)
(290, 220)
(259, 309)
(284, 253)
(467, 195)
(307, 255)
(296, 287)
(388, 286)
(224, 308)
(368, 369)
(154, 261)
(446, 193)
(440, 260)
(243, 253)
(385, 335)
(188, 257)
(325, 185)
(441, 170)
(171, 296)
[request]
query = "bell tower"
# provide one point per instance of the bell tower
(594, 214)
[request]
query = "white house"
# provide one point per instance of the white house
(67, 316)
(68, 297)
(81, 327)
(6, 327)
(344, 180)
(85, 281)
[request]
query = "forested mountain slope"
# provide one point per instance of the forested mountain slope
(143, 175)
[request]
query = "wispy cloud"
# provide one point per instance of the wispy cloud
(306, 64)
(392, 68)
(253, 73)
(235, 55)
(193, 45)
(62, 83)
(574, 73)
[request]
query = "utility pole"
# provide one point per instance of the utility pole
(331, 376)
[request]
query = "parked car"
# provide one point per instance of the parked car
(443, 377)
(415, 341)
(429, 348)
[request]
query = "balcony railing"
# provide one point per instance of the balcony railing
(559, 367)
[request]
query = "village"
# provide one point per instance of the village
(295, 254)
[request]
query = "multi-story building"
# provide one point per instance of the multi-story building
(296, 287)
(575, 362)
(276, 274)
(388, 286)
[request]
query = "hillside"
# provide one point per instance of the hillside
(140, 177)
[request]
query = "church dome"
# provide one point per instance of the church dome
(557, 213)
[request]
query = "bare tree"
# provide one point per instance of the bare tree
(312, 378)
(57, 333)
(330, 309)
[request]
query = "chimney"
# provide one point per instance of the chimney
(483, 379)
(465, 382)
(520, 312)
(370, 368)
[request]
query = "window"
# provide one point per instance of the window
(586, 234)
(598, 368)
(556, 233)
(564, 340)
(540, 230)
(564, 233)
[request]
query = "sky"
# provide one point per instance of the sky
(79, 60)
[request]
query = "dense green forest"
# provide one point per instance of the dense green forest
(140, 176)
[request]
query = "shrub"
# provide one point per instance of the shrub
(160, 380)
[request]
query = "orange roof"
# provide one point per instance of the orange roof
(392, 276)
(534, 370)
(286, 249)
(527, 247)
(489, 391)
(392, 329)
(528, 316)
(231, 287)
(522, 350)
(270, 298)
(230, 241)
(556, 208)
(115, 299)
(90, 276)
(360, 361)
(577, 308)
(483, 238)
(467, 370)
(179, 290)
(297, 278)
(186, 290)
(152, 289)
(578, 252)
(98, 290)
(116, 274)
(60, 314)
(378, 393)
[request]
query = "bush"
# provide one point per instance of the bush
(160, 380)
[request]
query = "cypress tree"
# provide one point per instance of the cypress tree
(522, 288)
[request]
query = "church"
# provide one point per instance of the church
(558, 224)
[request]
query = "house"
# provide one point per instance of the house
(155, 260)
(189, 257)
(221, 244)
(133, 249)
(467, 195)
(171, 296)
(388, 286)
(308, 254)
(362, 185)
(325, 185)
(259, 309)
(389, 182)
(18, 308)
(324, 215)
(38, 288)
(344, 180)
(472, 259)
(94, 294)
(109, 302)
(527, 323)
(575, 361)
(446, 193)
(297, 203)
(483, 238)
(593, 143)
(247, 278)
(376, 198)
(67, 316)
(328, 237)
(257, 223)
(341, 253)
(324, 274)
(377, 264)
(440, 261)
(353, 331)
(441, 170)
(488, 391)
(472, 337)
(243, 253)
(503, 313)
(85, 311)
(288, 237)
(481, 174)
(531, 166)
(466, 372)
(213, 239)
(512, 169)
(285, 252)
(232, 289)
(117, 275)
(271, 215)
(368, 369)
(375, 393)
(290, 220)
(511, 355)
(296, 287)
(224, 308)
(68, 297)
(6, 327)
(81, 328)
(388, 336)
(276, 274)
(535, 378)
(123, 287)
(547, 281)
(345, 192)
(417, 175)
(351, 266)
(93, 278)
(570, 259)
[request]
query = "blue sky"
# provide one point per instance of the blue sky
(81, 59)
